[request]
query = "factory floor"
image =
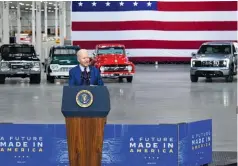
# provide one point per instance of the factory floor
(158, 94)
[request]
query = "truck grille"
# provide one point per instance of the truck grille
(20, 66)
(209, 63)
(118, 68)
(64, 69)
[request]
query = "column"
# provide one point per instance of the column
(38, 28)
(33, 23)
(56, 20)
(18, 22)
(1, 24)
(68, 20)
(61, 17)
(46, 26)
(64, 15)
(6, 38)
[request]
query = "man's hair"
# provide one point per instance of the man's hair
(82, 51)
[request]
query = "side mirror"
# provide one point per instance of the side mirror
(235, 53)
(193, 54)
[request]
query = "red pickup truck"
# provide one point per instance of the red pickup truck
(112, 61)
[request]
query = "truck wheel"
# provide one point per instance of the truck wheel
(230, 77)
(129, 79)
(35, 79)
(120, 79)
(50, 79)
(2, 79)
(194, 78)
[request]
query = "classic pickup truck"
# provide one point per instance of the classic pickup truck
(61, 59)
(113, 63)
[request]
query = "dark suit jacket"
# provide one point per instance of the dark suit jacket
(75, 76)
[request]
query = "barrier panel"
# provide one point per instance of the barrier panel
(183, 144)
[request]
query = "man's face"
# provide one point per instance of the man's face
(83, 59)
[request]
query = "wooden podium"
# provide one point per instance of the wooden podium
(85, 109)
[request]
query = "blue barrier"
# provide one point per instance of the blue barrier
(185, 144)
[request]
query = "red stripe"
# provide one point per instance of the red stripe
(155, 25)
(146, 44)
(159, 59)
(198, 6)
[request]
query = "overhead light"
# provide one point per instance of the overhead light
(50, 3)
(26, 8)
(27, 4)
(12, 7)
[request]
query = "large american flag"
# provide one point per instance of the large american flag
(153, 30)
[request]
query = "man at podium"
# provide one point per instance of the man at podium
(84, 74)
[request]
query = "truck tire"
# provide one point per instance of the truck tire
(35, 79)
(50, 79)
(194, 78)
(2, 79)
(129, 79)
(230, 77)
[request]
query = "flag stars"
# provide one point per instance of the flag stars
(149, 4)
(108, 4)
(135, 3)
(94, 4)
(80, 4)
(121, 3)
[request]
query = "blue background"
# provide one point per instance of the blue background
(116, 150)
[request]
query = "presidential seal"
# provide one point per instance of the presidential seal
(84, 98)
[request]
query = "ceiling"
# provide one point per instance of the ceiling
(27, 5)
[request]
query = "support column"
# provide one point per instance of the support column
(1, 23)
(38, 28)
(46, 26)
(68, 20)
(64, 15)
(33, 24)
(62, 23)
(6, 38)
(56, 20)
(18, 22)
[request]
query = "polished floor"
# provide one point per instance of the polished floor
(162, 94)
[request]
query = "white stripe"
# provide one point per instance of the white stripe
(157, 52)
(153, 35)
(154, 15)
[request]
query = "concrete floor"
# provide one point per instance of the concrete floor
(157, 95)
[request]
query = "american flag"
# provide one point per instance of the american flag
(153, 30)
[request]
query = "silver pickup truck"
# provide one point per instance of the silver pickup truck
(215, 59)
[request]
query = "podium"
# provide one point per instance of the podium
(85, 109)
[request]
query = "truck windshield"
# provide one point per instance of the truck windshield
(215, 49)
(110, 50)
(6, 50)
(65, 51)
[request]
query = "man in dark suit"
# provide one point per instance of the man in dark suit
(84, 74)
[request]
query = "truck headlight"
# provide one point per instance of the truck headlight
(193, 63)
(36, 64)
(102, 68)
(4, 65)
(129, 68)
(54, 67)
(225, 63)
